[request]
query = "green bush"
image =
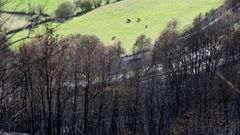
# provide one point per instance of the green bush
(85, 5)
(65, 10)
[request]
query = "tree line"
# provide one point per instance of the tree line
(67, 9)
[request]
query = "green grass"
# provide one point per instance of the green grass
(23, 5)
(109, 21)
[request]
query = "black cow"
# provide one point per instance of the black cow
(128, 20)
(113, 38)
(138, 19)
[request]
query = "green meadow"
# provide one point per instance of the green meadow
(26, 5)
(110, 20)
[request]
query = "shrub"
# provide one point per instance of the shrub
(64, 10)
(85, 5)
(96, 3)
(39, 9)
(107, 2)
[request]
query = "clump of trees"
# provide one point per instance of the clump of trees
(65, 10)
(85, 5)
(97, 3)
(165, 46)
(231, 4)
(142, 43)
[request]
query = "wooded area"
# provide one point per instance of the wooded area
(185, 83)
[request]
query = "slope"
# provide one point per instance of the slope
(110, 21)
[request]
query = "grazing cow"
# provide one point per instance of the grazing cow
(128, 20)
(146, 26)
(138, 19)
(113, 38)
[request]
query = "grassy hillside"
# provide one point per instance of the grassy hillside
(110, 21)
(23, 5)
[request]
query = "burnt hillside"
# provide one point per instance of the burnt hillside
(186, 83)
